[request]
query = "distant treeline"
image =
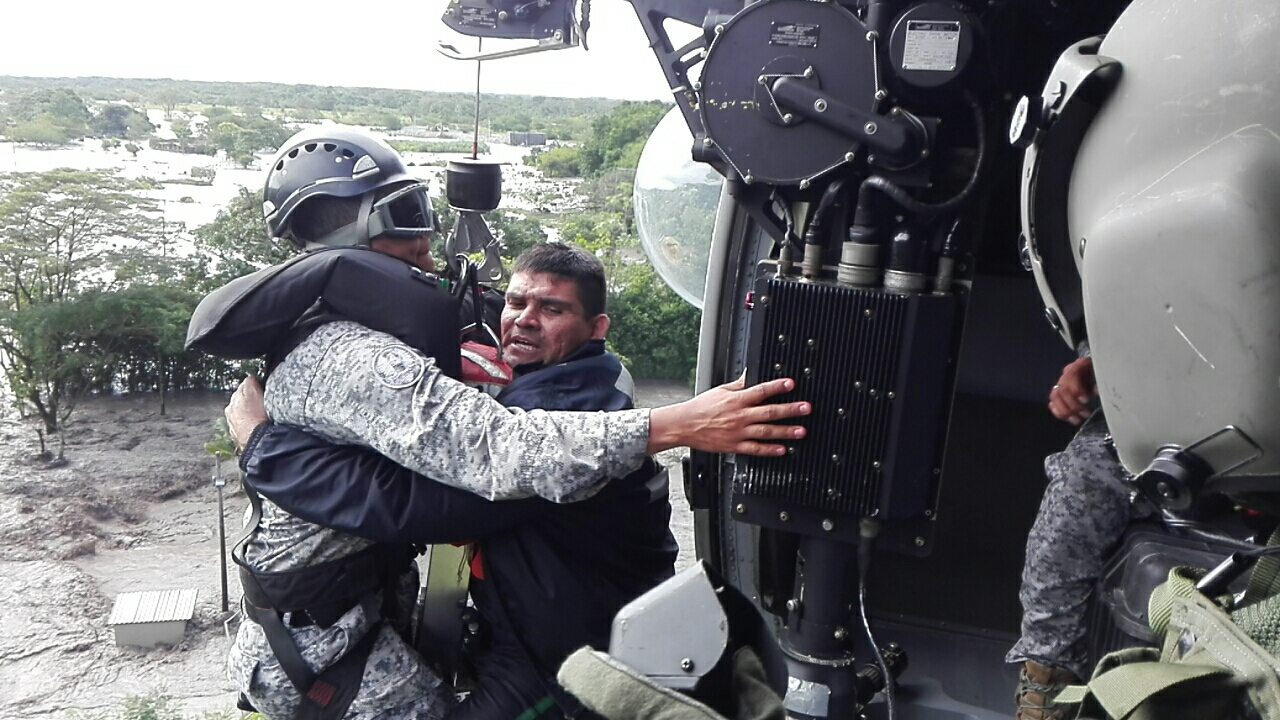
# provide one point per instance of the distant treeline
(560, 118)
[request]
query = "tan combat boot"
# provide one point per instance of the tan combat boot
(1037, 685)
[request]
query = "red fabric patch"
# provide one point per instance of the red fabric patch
(480, 364)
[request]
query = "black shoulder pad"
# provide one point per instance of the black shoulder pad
(249, 316)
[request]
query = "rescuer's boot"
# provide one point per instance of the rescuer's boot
(1037, 685)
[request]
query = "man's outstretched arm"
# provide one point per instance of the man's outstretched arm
(333, 384)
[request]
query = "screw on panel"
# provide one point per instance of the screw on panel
(835, 459)
(808, 372)
(937, 471)
(872, 35)
(502, 15)
(791, 450)
(793, 604)
(820, 105)
(840, 633)
(697, 84)
(828, 525)
(804, 184)
(928, 513)
(708, 142)
(870, 128)
(1082, 244)
(808, 72)
(857, 385)
(896, 112)
(784, 516)
(811, 342)
(881, 94)
(867, 313)
(762, 80)
(686, 665)
(924, 153)
(559, 35)
(876, 464)
(764, 300)
(719, 28)
(840, 412)
(788, 117)
(873, 392)
(891, 394)
(777, 367)
(748, 178)
(871, 159)
(848, 157)
(782, 338)
(919, 542)
(832, 492)
(740, 508)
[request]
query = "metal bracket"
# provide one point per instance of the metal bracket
(556, 42)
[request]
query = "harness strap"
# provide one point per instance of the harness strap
(1124, 691)
(1264, 582)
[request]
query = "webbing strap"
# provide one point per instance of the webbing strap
(1265, 580)
(282, 646)
(1181, 584)
(1123, 689)
(251, 526)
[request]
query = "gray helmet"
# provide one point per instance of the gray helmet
(341, 162)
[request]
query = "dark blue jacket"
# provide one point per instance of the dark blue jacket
(562, 571)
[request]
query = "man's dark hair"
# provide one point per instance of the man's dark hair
(572, 262)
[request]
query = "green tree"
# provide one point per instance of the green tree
(236, 243)
(561, 162)
(651, 326)
(121, 121)
(62, 238)
(617, 138)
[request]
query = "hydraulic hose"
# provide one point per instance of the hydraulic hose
(903, 198)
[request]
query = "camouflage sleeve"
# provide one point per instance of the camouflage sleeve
(353, 385)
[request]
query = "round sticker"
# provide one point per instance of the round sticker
(396, 366)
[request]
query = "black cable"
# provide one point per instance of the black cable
(868, 530)
(896, 193)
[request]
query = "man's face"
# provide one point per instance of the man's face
(543, 320)
(415, 250)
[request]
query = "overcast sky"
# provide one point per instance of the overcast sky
(289, 42)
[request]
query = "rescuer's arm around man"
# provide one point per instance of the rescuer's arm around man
(355, 490)
(492, 451)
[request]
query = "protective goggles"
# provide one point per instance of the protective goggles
(404, 214)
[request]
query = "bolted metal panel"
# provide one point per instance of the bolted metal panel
(874, 364)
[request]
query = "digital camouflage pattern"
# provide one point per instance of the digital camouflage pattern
(1083, 514)
(395, 684)
(353, 385)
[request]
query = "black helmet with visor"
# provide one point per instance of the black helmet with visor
(340, 162)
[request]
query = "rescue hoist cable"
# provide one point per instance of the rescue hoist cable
(475, 133)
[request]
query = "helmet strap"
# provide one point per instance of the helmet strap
(362, 220)
(342, 237)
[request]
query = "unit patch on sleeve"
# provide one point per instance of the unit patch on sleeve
(396, 366)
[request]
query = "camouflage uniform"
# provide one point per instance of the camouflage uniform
(395, 685)
(1084, 512)
(353, 385)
